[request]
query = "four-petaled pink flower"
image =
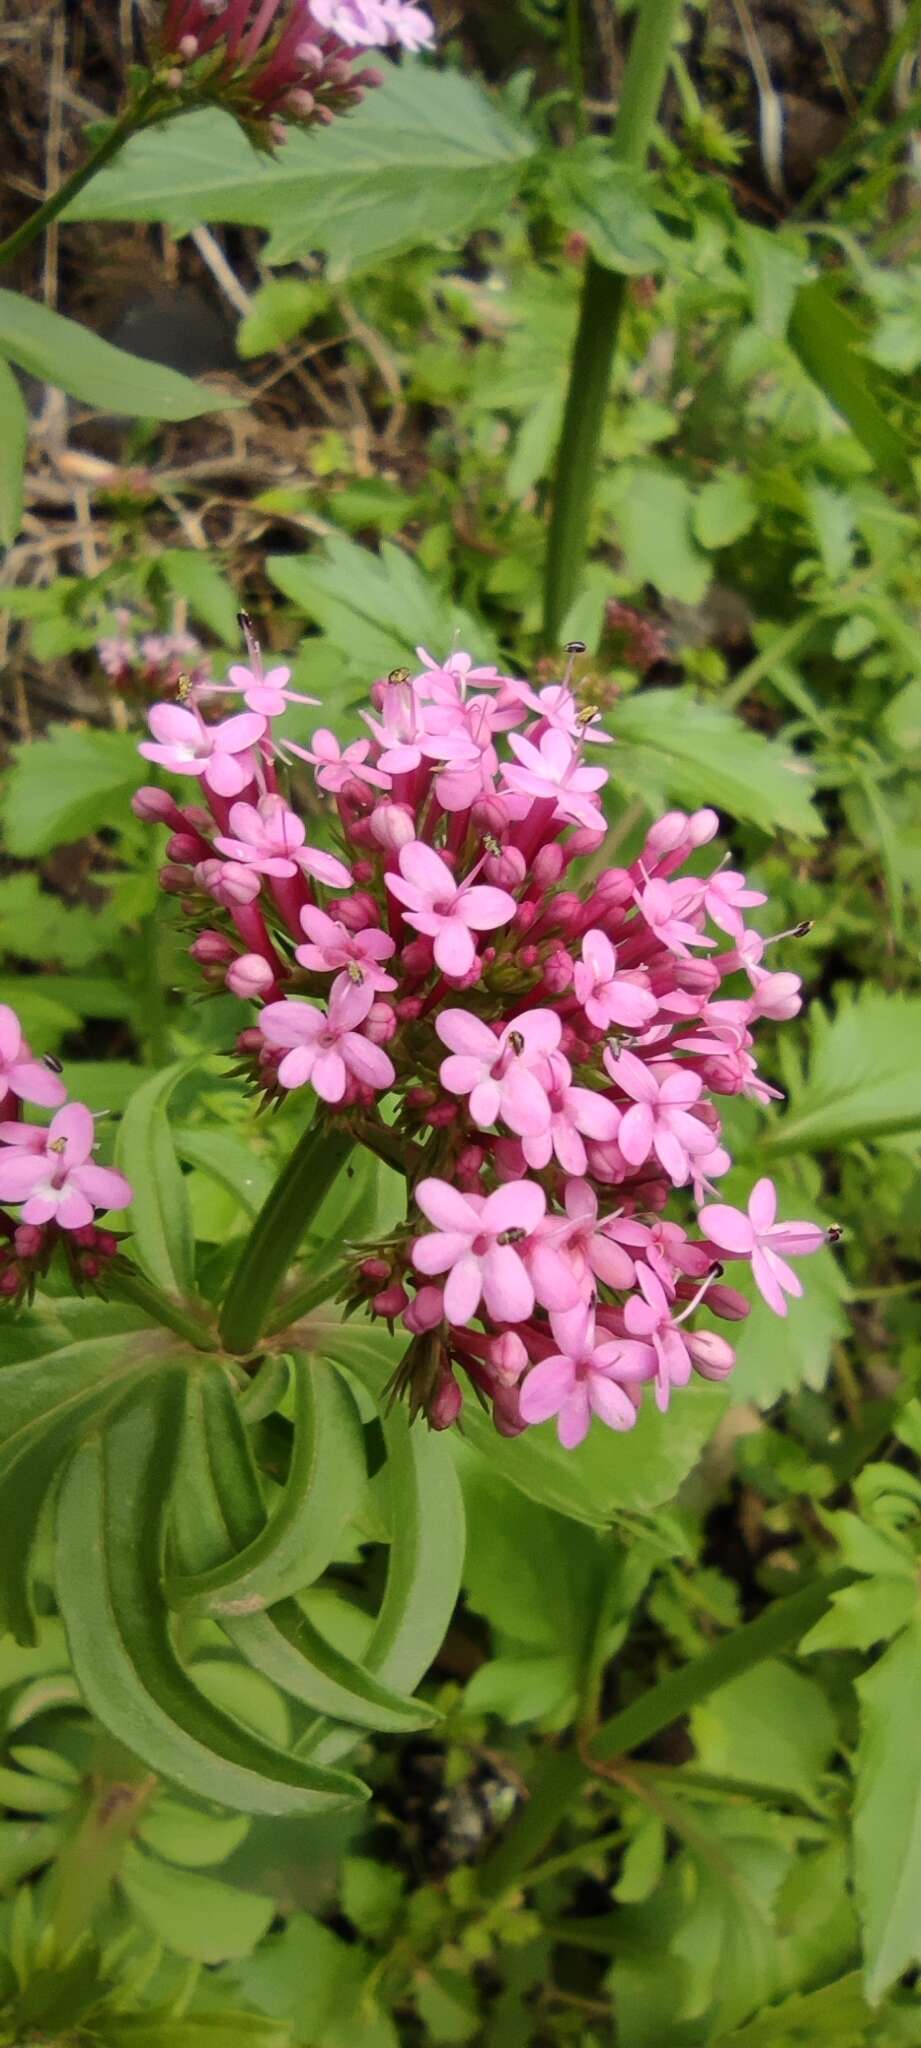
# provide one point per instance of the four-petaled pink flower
(658, 1346)
(662, 909)
(333, 949)
(554, 769)
(723, 896)
(577, 1381)
(475, 1242)
(757, 1236)
(659, 1119)
(269, 693)
(445, 910)
(572, 1114)
(326, 1047)
(269, 837)
(597, 1251)
(337, 765)
(606, 996)
(501, 1074)
(220, 754)
(20, 1074)
(52, 1172)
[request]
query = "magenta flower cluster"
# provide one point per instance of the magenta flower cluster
(48, 1172)
(541, 1052)
(272, 61)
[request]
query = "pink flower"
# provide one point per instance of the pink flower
(475, 1243)
(20, 1074)
(333, 949)
(52, 1172)
(220, 754)
(407, 25)
(723, 896)
(501, 1075)
(337, 765)
(663, 1348)
(597, 1251)
(405, 736)
(269, 693)
(554, 769)
(445, 910)
(269, 837)
(758, 1237)
(659, 1118)
(661, 909)
(577, 1381)
(326, 1047)
(606, 996)
(573, 1114)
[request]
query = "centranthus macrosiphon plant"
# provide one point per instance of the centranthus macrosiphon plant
(535, 1037)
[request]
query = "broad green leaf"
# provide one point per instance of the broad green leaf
(698, 754)
(14, 429)
(724, 509)
(376, 609)
(887, 1813)
(609, 203)
(653, 509)
(838, 2014)
(194, 1916)
(427, 156)
(218, 1515)
(324, 1486)
(828, 341)
(111, 1527)
(774, 272)
(770, 1726)
(283, 307)
(230, 1161)
(313, 1978)
(63, 353)
(371, 1895)
(66, 785)
(159, 1216)
(864, 1077)
(774, 1358)
(193, 575)
(866, 1613)
(183, 1834)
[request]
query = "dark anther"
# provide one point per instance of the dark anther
(576, 647)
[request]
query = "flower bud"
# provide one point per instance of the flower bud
(508, 1357)
(446, 1403)
(391, 1301)
(425, 1312)
(586, 840)
(250, 977)
(175, 881)
(547, 866)
(356, 912)
(10, 1280)
(381, 1023)
(393, 826)
(507, 868)
(727, 1302)
(363, 871)
(228, 882)
(28, 1239)
(211, 949)
(558, 971)
(156, 807)
(713, 1357)
(183, 846)
(375, 1270)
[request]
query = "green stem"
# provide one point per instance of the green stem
(603, 298)
(87, 1867)
(132, 1287)
(566, 1774)
(574, 61)
(140, 114)
(278, 1230)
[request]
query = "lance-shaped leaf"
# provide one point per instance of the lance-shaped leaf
(63, 353)
(218, 1505)
(324, 1486)
(111, 1528)
(159, 1216)
(887, 1815)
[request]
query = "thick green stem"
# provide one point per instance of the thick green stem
(147, 108)
(87, 1867)
(603, 297)
(132, 1287)
(565, 1775)
(278, 1230)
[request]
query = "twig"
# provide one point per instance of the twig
(53, 154)
(212, 255)
(770, 105)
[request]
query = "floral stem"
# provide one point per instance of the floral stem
(132, 1287)
(603, 299)
(149, 106)
(566, 1774)
(278, 1230)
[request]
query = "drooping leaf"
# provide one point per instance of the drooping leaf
(828, 341)
(60, 786)
(111, 1529)
(427, 156)
(65, 354)
(698, 754)
(14, 427)
(158, 1218)
(863, 1079)
(376, 609)
(887, 1813)
(193, 1915)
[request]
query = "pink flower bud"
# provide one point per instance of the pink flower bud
(470, 1162)
(183, 846)
(363, 871)
(28, 1239)
(508, 1357)
(526, 914)
(175, 881)
(408, 1009)
(713, 1357)
(703, 826)
(442, 1116)
(565, 912)
(613, 888)
(228, 882)
(446, 1403)
(506, 869)
(548, 865)
(156, 807)
(381, 1023)
(488, 819)
(586, 840)
(10, 1280)
(357, 912)
(665, 835)
(425, 1312)
(506, 1413)
(393, 826)
(211, 949)
(529, 957)
(417, 958)
(250, 977)
(391, 1301)
(558, 971)
(375, 1270)
(727, 1302)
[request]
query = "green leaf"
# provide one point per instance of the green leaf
(63, 353)
(324, 1486)
(700, 754)
(23, 1792)
(194, 1916)
(283, 307)
(66, 785)
(205, 2030)
(429, 156)
(827, 339)
(229, 1160)
(837, 2014)
(159, 1217)
(194, 576)
(887, 1813)
(371, 1895)
(14, 431)
(182, 1834)
(832, 520)
(654, 511)
(376, 609)
(863, 1080)
(609, 203)
(724, 509)
(111, 1527)
(774, 272)
(770, 1726)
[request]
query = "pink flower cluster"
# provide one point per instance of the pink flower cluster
(48, 1171)
(541, 1054)
(150, 663)
(272, 61)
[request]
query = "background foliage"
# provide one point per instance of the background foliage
(722, 1839)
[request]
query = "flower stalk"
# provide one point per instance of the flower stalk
(278, 1230)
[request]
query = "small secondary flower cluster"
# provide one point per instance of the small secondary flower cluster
(48, 1173)
(150, 663)
(272, 61)
(551, 1051)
